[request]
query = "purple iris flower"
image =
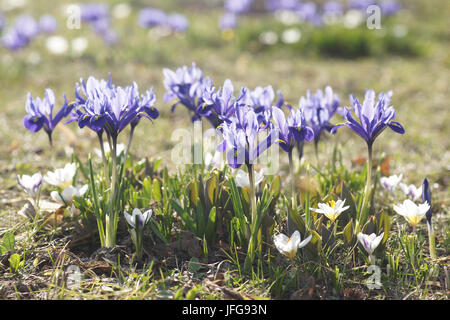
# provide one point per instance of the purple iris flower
(292, 129)
(262, 98)
(151, 17)
(186, 85)
(333, 8)
(237, 6)
(426, 197)
(47, 23)
(111, 108)
(241, 138)
(373, 117)
(318, 109)
(177, 22)
(40, 113)
(94, 11)
(228, 21)
(222, 102)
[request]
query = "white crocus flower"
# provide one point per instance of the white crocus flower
(31, 184)
(57, 45)
(390, 183)
(66, 196)
(215, 161)
(242, 179)
(411, 191)
(137, 216)
(331, 210)
(289, 246)
(61, 177)
(370, 242)
(411, 211)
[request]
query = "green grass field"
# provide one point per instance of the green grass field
(421, 95)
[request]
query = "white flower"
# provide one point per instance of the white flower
(289, 246)
(79, 45)
(27, 211)
(291, 35)
(31, 184)
(411, 191)
(411, 211)
(57, 44)
(121, 10)
(370, 242)
(137, 215)
(268, 38)
(390, 183)
(331, 210)
(120, 148)
(242, 179)
(66, 196)
(353, 18)
(61, 177)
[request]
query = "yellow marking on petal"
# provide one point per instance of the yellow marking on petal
(414, 220)
(280, 140)
(332, 203)
(299, 129)
(35, 119)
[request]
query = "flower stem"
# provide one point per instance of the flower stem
(105, 162)
(367, 189)
(293, 195)
(254, 232)
(129, 142)
(432, 242)
(110, 237)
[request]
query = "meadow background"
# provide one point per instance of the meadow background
(419, 79)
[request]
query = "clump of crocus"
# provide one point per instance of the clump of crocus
(61, 177)
(66, 196)
(412, 212)
(370, 242)
(137, 221)
(374, 116)
(426, 198)
(411, 191)
(332, 210)
(289, 246)
(390, 183)
(32, 186)
(40, 113)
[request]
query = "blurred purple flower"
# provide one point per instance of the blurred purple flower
(237, 6)
(228, 21)
(273, 5)
(151, 17)
(177, 22)
(94, 11)
(47, 23)
(390, 7)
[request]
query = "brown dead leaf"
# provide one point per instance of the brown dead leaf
(384, 166)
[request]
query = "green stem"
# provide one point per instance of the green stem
(432, 242)
(293, 195)
(367, 189)
(110, 238)
(254, 232)
(105, 162)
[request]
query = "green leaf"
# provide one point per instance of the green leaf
(346, 194)
(194, 265)
(157, 190)
(275, 187)
(3, 250)
(9, 242)
(191, 294)
(348, 232)
(211, 187)
(14, 262)
(210, 227)
(385, 221)
(193, 193)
